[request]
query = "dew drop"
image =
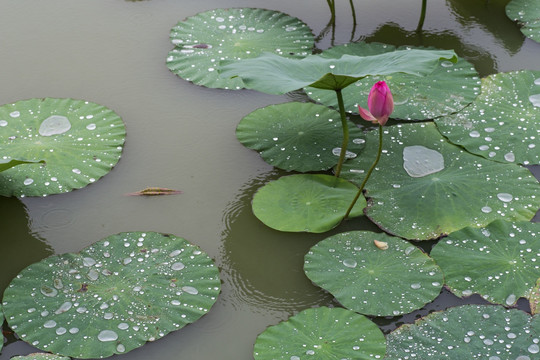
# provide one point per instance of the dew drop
(535, 100)
(15, 114)
(120, 348)
(537, 81)
(175, 253)
(486, 209)
(178, 266)
(28, 181)
(54, 125)
(73, 330)
(511, 299)
(533, 349)
(190, 290)
(349, 263)
(87, 261)
(61, 331)
(49, 324)
(416, 286)
(48, 291)
(510, 157)
(505, 197)
(93, 274)
(107, 335)
(359, 141)
(63, 308)
(419, 161)
(474, 134)
(3, 123)
(348, 154)
(91, 126)
(447, 63)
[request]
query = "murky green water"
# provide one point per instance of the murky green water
(182, 136)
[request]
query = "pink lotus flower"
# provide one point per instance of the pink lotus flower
(380, 104)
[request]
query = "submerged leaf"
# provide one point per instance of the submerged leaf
(113, 296)
(153, 191)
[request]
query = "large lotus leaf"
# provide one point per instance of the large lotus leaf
(321, 334)
(466, 332)
(425, 187)
(503, 123)
(306, 202)
(40, 356)
(527, 14)
(113, 296)
(446, 90)
(388, 280)
(498, 261)
(203, 40)
(79, 141)
(275, 74)
(298, 136)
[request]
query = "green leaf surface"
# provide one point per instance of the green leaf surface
(9, 163)
(79, 141)
(425, 187)
(498, 261)
(306, 202)
(449, 88)
(321, 334)
(527, 14)
(503, 123)
(40, 356)
(467, 332)
(113, 296)
(370, 280)
(273, 74)
(298, 136)
(205, 39)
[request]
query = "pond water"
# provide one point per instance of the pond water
(182, 136)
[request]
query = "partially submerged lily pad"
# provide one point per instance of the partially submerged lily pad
(298, 136)
(503, 123)
(155, 191)
(527, 14)
(424, 187)
(447, 89)
(374, 280)
(321, 334)
(40, 356)
(205, 39)
(78, 141)
(498, 261)
(113, 296)
(467, 332)
(306, 202)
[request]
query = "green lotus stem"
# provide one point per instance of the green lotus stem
(354, 12)
(422, 16)
(345, 129)
(332, 6)
(367, 175)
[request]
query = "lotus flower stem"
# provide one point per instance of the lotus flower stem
(353, 12)
(422, 16)
(345, 129)
(367, 175)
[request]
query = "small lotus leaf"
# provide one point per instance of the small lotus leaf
(503, 123)
(447, 89)
(275, 74)
(40, 356)
(391, 279)
(306, 202)
(498, 261)
(113, 296)
(425, 187)
(298, 136)
(527, 14)
(205, 39)
(78, 141)
(9, 163)
(467, 332)
(321, 334)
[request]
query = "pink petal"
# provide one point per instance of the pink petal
(365, 114)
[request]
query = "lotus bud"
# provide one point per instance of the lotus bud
(381, 244)
(380, 104)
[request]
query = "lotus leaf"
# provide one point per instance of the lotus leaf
(387, 280)
(298, 136)
(527, 14)
(113, 296)
(205, 39)
(9, 163)
(40, 356)
(447, 89)
(273, 74)
(498, 261)
(467, 332)
(503, 123)
(424, 187)
(78, 141)
(305, 202)
(321, 334)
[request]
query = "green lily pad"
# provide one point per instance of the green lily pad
(448, 89)
(113, 296)
(275, 74)
(425, 187)
(205, 39)
(321, 334)
(79, 142)
(306, 202)
(503, 123)
(40, 356)
(497, 261)
(388, 281)
(298, 136)
(466, 332)
(527, 14)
